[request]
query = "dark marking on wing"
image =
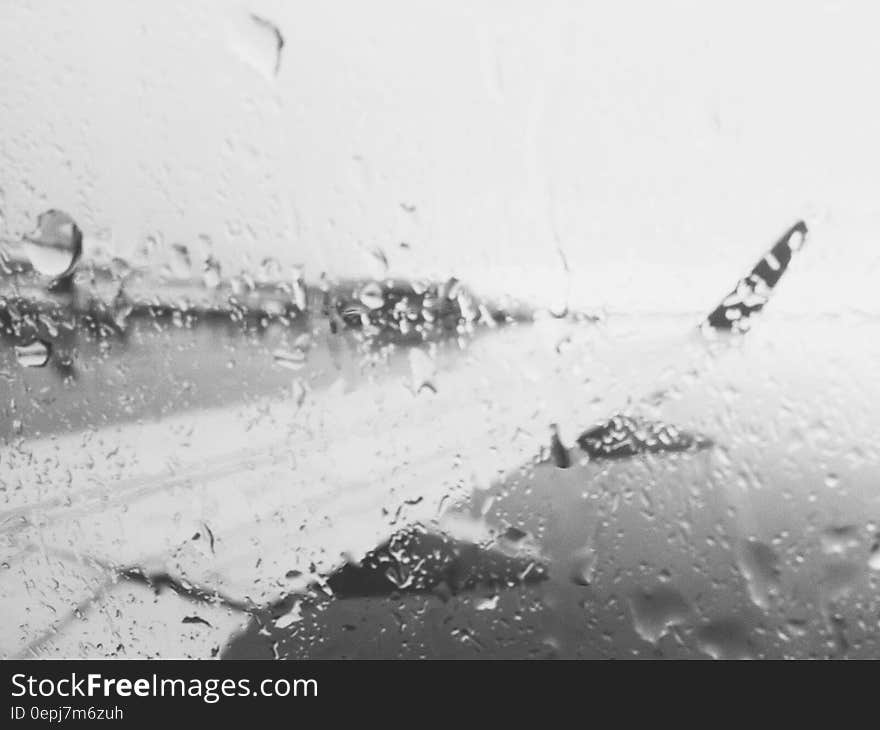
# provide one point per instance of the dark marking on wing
(753, 291)
(623, 436)
(415, 560)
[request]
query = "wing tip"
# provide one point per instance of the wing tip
(753, 291)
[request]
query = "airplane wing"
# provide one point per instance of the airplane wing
(236, 507)
(624, 434)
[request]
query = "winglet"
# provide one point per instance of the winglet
(753, 291)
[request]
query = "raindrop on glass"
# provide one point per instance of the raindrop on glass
(295, 357)
(212, 274)
(180, 264)
(33, 355)
(583, 566)
(655, 612)
(55, 247)
(371, 296)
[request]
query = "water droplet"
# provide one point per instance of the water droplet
(270, 270)
(259, 43)
(55, 247)
(655, 612)
(423, 370)
(299, 392)
(300, 293)
(371, 296)
(559, 309)
(212, 274)
(839, 540)
(294, 358)
(840, 578)
(584, 565)
(33, 355)
(759, 565)
(180, 264)
(420, 286)
(380, 258)
(725, 639)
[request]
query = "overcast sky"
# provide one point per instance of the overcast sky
(661, 146)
